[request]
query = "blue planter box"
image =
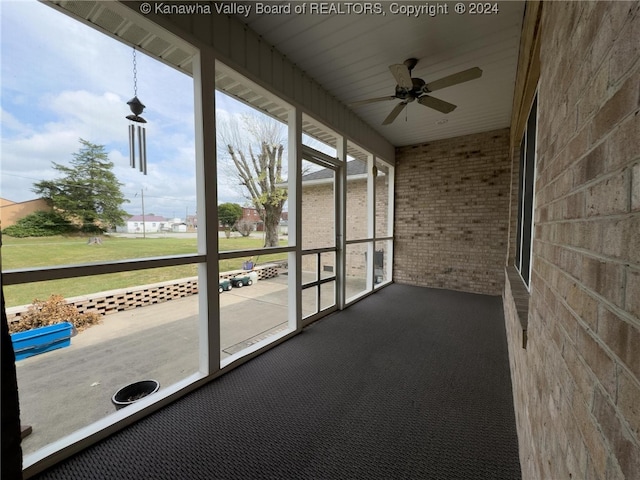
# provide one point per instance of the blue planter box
(42, 339)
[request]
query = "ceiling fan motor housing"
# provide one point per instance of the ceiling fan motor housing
(419, 87)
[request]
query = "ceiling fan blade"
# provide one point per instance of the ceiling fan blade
(402, 75)
(456, 78)
(436, 104)
(394, 113)
(371, 100)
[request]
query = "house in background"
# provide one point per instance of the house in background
(178, 227)
(192, 222)
(284, 223)
(148, 224)
(251, 215)
(11, 212)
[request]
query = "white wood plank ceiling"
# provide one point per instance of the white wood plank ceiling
(349, 56)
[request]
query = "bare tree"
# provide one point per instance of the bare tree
(255, 145)
(244, 227)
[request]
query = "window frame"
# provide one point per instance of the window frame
(526, 196)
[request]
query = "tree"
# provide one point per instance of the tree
(255, 145)
(40, 224)
(244, 227)
(88, 192)
(228, 215)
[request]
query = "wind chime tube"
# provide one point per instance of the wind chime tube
(143, 158)
(132, 146)
(140, 146)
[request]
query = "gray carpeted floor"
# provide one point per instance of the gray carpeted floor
(410, 383)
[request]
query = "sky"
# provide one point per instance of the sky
(61, 80)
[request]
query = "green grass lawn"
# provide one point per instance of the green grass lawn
(20, 253)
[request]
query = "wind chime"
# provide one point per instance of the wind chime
(136, 127)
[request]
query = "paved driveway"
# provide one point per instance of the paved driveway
(64, 390)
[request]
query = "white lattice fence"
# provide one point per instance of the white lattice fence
(119, 300)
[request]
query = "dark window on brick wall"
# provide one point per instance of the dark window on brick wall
(525, 196)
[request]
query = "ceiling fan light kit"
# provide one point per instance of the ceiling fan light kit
(409, 89)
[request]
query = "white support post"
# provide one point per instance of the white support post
(390, 212)
(207, 193)
(295, 218)
(341, 224)
(371, 219)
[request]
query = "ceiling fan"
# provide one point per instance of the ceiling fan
(409, 89)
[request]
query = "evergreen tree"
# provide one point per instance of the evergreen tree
(88, 192)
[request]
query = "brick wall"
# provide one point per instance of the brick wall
(318, 219)
(11, 212)
(451, 213)
(577, 383)
(318, 216)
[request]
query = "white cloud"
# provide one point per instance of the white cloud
(28, 152)
(98, 117)
(63, 80)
